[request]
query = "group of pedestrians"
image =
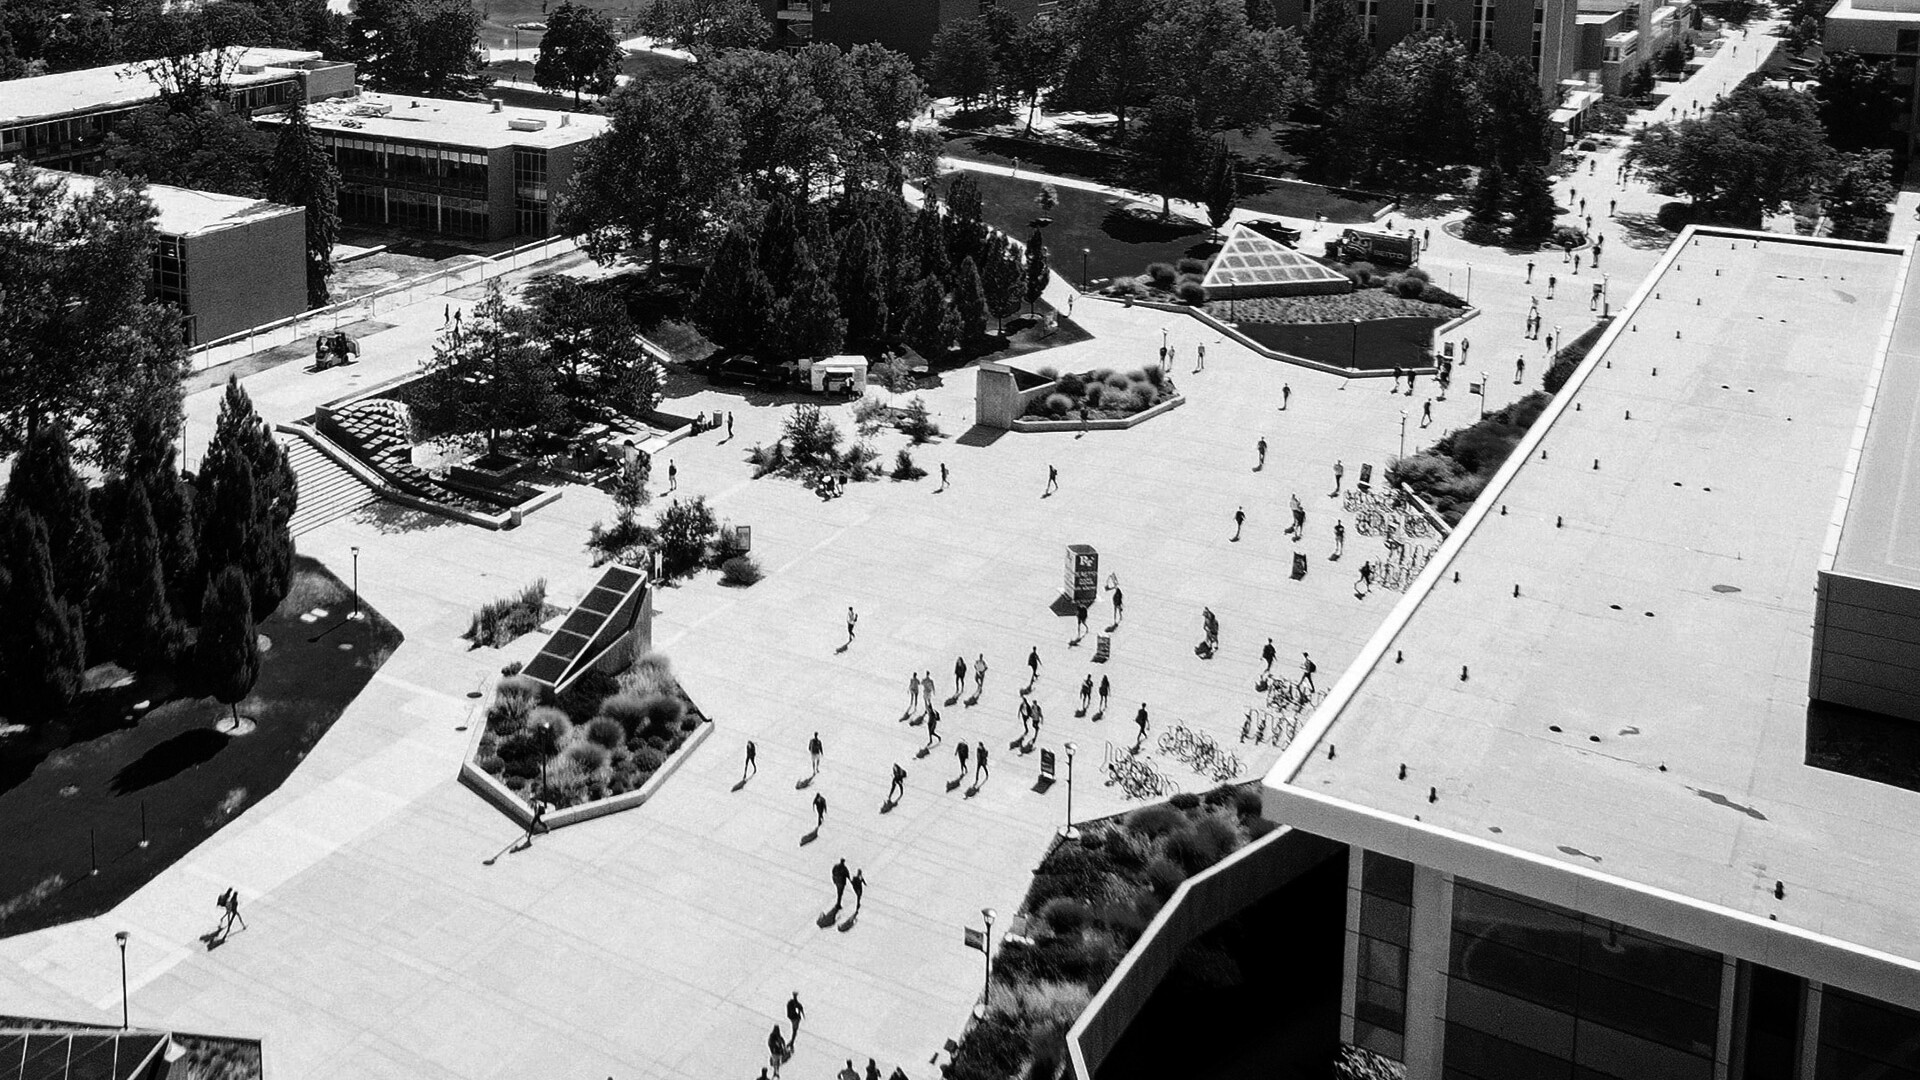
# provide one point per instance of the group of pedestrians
(781, 1042)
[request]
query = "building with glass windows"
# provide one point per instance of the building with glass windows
(228, 263)
(1886, 31)
(60, 121)
(469, 169)
(1544, 32)
(1622, 774)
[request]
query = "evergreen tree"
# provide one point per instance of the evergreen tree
(1338, 53)
(1004, 278)
(823, 247)
(1220, 185)
(1489, 195)
(1037, 273)
(302, 174)
(809, 317)
(931, 325)
(230, 516)
(42, 641)
(488, 376)
(150, 465)
(240, 433)
(142, 632)
(930, 240)
(965, 220)
(227, 654)
(44, 483)
(727, 290)
(780, 234)
(861, 287)
(970, 303)
(1532, 204)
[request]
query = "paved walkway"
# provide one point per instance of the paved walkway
(663, 941)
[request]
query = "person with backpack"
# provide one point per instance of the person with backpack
(1307, 668)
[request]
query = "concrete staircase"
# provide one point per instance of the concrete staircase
(327, 491)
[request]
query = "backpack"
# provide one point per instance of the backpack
(1310, 667)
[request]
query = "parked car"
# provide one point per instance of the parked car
(744, 371)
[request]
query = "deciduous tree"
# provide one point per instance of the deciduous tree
(1760, 149)
(1858, 196)
(578, 53)
(1338, 53)
(1170, 142)
(487, 377)
(1860, 99)
(963, 61)
(705, 27)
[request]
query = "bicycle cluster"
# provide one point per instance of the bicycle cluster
(1198, 749)
(1386, 513)
(1136, 775)
(1270, 725)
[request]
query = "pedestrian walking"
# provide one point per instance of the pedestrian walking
(979, 673)
(1239, 522)
(1039, 717)
(813, 750)
(926, 690)
(933, 727)
(1299, 522)
(752, 764)
(1033, 665)
(1267, 654)
(1119, 605)
(859, 889)
(729, 425)
(848, 1072)
(1080, 620)
(979, 763)
(673, 477)
(1053, 481)
(1592, 163)
(1307, 668)
(1339, 538)
(1339, 474)
(1210, 628)
(1200, 357)
(1576, 262)
(1286, 395)
(959, 675)
(796, 1012)
(539, 822)
(873, 1070)
(963, 751)
(1412, 376)
(1140, 720)
(1366, 574)
(853, 620)
(1396, 379)
(1086, 693)
(840, 876)
(819, 811)
(1520, 369)
(1551, 282)
(1026, 717)
(913, 694)
(943, 476)
(898, 789)
(1261, 449)
(1612, 204)
(1529, 271)
(777, 1048)
(1105, 688)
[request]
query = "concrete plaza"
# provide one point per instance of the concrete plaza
(664, 941)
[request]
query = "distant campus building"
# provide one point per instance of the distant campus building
(1884, 31)
(471, 169)
(904, 25)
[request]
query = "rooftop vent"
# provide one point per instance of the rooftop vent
(527, 123)
(373, 108)
(496, 105)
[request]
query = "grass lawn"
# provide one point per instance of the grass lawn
(1116, 242)
(82, 782)
(1266, 194)
(1373, 345)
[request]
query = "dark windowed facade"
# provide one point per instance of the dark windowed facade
(530, 191)
(1386, 934)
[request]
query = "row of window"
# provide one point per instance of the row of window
(1386, 933)
(433, 213)
(378, 159)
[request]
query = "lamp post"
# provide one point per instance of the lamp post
(1483, 395)
(1067, 831)
(1403, 433)
(121, 937)
(1084, 279)
(987, 954)
(356, 583)
(1469, 295)
(546, 751)
(1353, 355)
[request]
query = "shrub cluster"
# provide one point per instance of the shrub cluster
(1102, 394)
(605, 736)
(1089, 902)
(1452, 473)
(509, 617)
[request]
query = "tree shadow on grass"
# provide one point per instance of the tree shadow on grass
(1132, 225)
(168, 759)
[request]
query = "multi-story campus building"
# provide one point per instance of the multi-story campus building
(60, 121)
(1544, 32)
(1884, 30)
(461, 168)
(228, 263)
(905, 25)
(1619, 37)
(1574, 770)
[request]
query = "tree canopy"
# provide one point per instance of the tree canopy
(427, 46)
(705, 27)
(1760, 149)
(1860, 99)
(486, 376)
(302, 174)
(579, 53)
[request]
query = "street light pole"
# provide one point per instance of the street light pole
(1469, 296)
(1483, 395)
(356, 583)
(546, 751)
(1067, 831)
(1085, 281)
(1403, 433)
(987, 953)
(121, 937)
(1353, 355)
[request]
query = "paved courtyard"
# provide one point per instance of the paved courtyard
(664, 941)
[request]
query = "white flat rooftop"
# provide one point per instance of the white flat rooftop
(1639, 709)
(472, 124)
(1880, 12)
(92, 89)
(1880, 534)
(188, 212)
